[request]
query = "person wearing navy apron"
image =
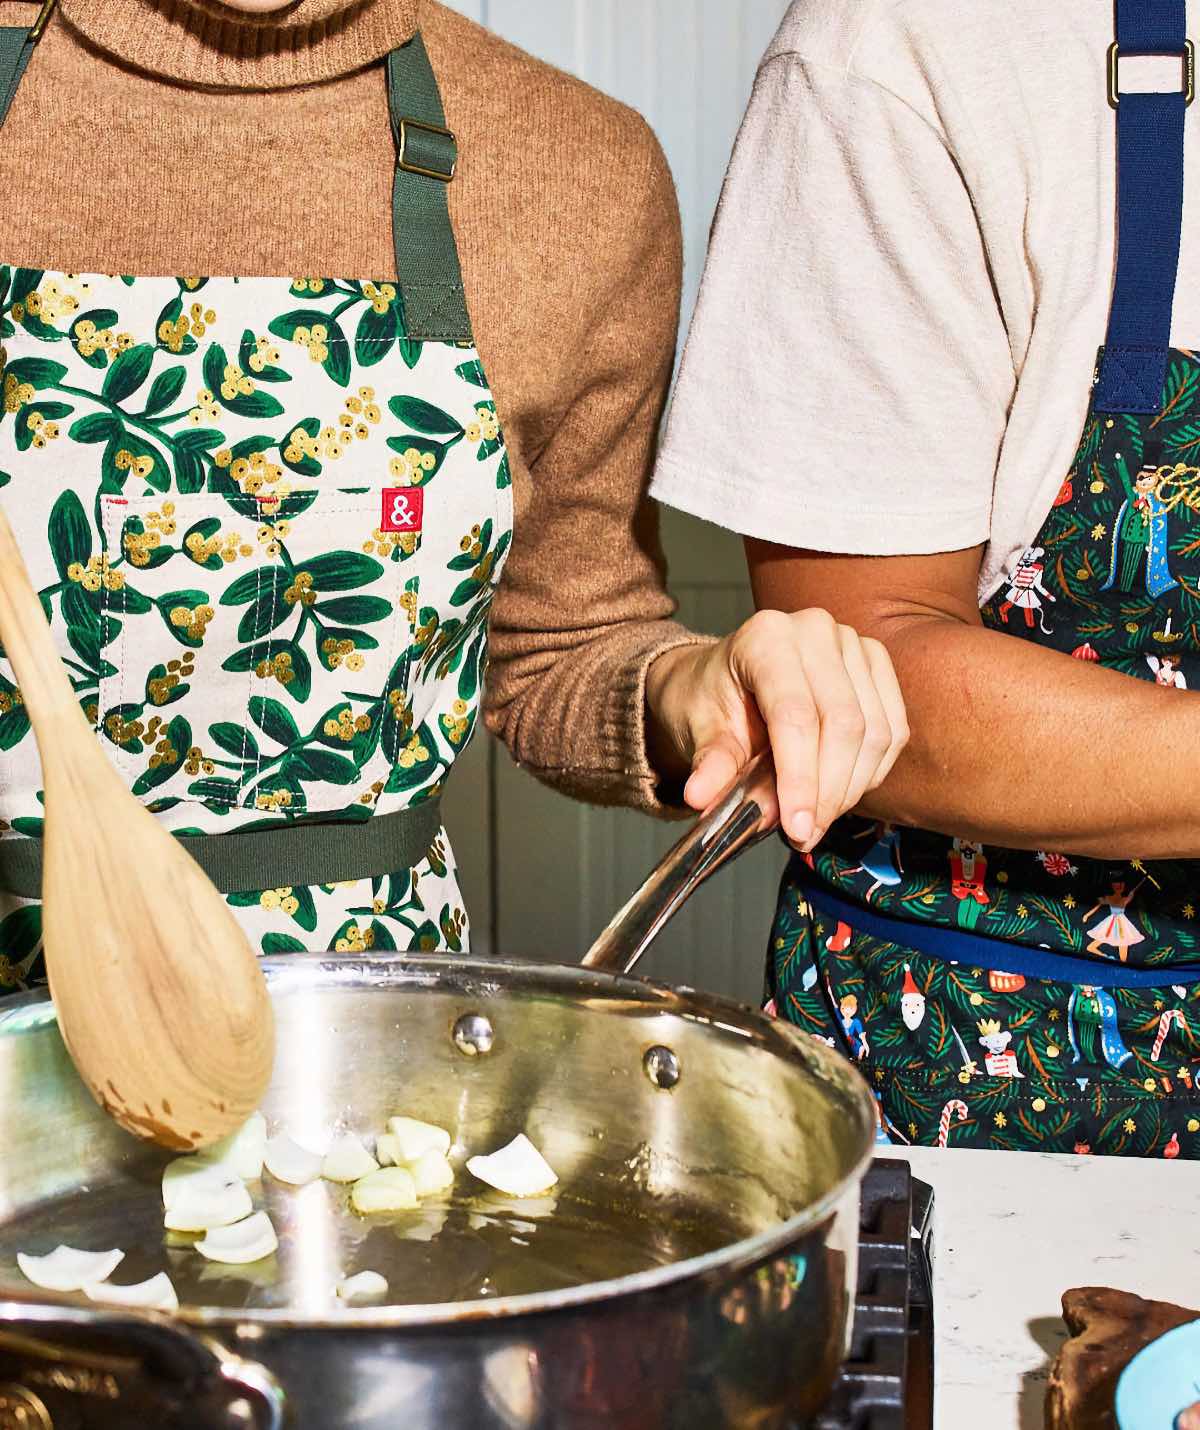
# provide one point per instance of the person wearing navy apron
(1022, 966)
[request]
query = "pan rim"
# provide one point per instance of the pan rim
(476, 974)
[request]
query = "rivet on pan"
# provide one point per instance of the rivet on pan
(473, 1035)
(662, 1067)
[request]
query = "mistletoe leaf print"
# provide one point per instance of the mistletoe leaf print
(95, 427)
(164, 390)
(37, 373)
(37, 423)
(70, 534)
(376, 333)
(473, 373)
(164, 761)
(274, 720)
(234, 389)
(424, 417)
(210, 540)
(127, 373)
(235, 740)
(321, 335)
(261, 358)
(92, 336)
(14, 721)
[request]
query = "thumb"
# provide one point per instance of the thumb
(715, 765)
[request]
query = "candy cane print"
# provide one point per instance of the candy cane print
(1172, 1015)
(944, 1125)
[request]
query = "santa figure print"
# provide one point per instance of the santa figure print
(912, 1002)
(1000, 1060)
(1026, 590)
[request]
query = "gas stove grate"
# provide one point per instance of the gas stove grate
(887, 1384)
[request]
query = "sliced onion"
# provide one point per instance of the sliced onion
(185, 1171)
(347, 1160)
(389, 1189)
(412, 1139)
(66, 1269)
(366, 1286)
(387, 1151)
(251, 1240)
(288, 1162)
(157, 1294)
(242, 1151)
(431, 1174)
(519, 1169)
(201, 1205)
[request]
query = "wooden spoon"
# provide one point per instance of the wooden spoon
(160, 999)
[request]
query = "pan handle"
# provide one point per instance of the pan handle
(70, 1366)
(731, 826)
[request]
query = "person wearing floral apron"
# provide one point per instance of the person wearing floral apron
(1031, 1000)
(266, 517)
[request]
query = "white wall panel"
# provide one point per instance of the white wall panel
(543, 875)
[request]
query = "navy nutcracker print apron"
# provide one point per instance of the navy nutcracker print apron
(266, 517)
(996, 998)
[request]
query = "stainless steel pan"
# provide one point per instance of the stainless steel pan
(696, 1267)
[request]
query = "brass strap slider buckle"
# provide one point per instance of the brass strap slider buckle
(430, 150)
(43, 19)
(1187, 58)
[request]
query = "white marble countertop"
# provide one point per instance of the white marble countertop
(1013, 1231)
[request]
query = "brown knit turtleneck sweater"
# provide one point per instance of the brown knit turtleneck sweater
(181, 136)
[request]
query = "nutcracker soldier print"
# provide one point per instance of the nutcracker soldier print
(968, 870)
(1139, 544)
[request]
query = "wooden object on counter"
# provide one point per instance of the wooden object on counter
(160, 999)
(1107, 1329)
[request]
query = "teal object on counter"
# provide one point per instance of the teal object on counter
(1160, 1383)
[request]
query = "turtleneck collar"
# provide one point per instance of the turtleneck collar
(202, 42)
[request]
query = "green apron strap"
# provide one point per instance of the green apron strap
(430, 278)
(16, 47)
(290, 855)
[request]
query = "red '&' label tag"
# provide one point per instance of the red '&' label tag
(403, 509)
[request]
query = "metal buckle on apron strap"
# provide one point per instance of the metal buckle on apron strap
(1187, 57)
(291, 856)
(951, 945)
(39, 25)
(433, 153)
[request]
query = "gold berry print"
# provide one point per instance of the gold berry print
(197, 468)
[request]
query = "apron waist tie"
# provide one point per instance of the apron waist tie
(293, 855)
(994, 954)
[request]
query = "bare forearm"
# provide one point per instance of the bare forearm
(1018, 745)
(1012, 743)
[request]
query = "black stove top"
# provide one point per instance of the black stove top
(887, 1384)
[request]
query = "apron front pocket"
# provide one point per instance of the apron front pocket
(261, 651)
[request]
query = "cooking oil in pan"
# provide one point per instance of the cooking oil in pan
(467, 1247)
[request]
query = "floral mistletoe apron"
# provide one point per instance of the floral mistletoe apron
(1003, 999)
(266, 517)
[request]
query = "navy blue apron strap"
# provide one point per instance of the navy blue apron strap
(1150, 135)
(996, 955)
(16, 47)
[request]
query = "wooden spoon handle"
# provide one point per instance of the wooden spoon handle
(25, 633)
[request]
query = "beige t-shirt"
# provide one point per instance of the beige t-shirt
(910, 277)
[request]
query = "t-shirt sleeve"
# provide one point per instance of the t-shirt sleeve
(847, 379)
